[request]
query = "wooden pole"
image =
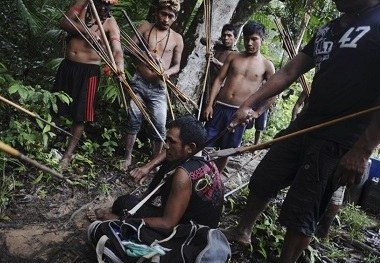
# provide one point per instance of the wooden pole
(13, 152)
(108, 47)
(33, 115)
(238, 150)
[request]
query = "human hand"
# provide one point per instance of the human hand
(242, 117)
(139, 174)
(107, 71)
(208, 112)
(210, 56)
(120, 73)
(165, 76)
(351, 168)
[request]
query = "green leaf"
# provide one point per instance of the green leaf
(40, 123)
(46, 129)
(14, 88)
(38, 179)
(55, 108)
(23, 93)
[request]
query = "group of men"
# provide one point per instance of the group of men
(346, 56)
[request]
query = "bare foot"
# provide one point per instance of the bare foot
(235, 235)
(101, 214)
(124, 165)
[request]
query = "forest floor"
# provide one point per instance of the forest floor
(50, 225)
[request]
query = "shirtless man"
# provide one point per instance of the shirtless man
(242, 74)
(78, 74)
(220, 52)
(166, 46)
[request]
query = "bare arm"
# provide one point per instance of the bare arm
(78, 9)
(278, 82)
(353, 164)
(114, 39)
(215, 88)
(269, 71)
(218, 64)
(177, 202)
(139, 174)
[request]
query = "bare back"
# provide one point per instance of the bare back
(244, 76)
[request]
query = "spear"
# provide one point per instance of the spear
(242, 149)
(291, 50)
(33, 115)
(12, 151)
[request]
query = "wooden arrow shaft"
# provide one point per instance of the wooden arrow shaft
(233, 151)
(14, 152)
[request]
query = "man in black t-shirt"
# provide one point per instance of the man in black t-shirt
(346, 56)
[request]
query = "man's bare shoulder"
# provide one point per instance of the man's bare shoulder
(236, 56)
(111, 24)
(178, 37)
(145, 26)
(79, 2)
(181, 178)
(268, 63)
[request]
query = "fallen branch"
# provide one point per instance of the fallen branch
(359, 245)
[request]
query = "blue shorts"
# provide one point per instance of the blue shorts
(221, 119)
(306, 164)
(154, 98)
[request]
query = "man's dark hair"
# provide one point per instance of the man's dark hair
(253, 27)
(191, 130)
(230, 27)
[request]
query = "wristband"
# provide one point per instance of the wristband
(76, 9)
(115, 39)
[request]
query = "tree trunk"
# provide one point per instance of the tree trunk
(191, 75)
(245, 9)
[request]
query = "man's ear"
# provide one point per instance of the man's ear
(191, 148)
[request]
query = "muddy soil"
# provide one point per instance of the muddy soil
(50, 225)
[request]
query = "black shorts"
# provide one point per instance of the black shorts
(80, 81)
(306, 164)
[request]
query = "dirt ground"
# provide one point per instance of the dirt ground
(50, 225)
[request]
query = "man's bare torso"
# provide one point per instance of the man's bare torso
(79, 50)
(162, 45)
(245, 76)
